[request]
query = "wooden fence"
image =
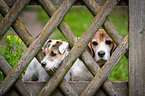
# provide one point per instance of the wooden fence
(57, 85)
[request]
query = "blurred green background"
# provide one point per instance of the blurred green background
(79, 19)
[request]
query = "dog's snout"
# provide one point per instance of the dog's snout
(101, 53)
(43, 64)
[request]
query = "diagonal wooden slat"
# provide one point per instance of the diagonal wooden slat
(107, 68)
(11, 16)
(20, 86)
(63, 26)
(78, 48)
(17, 25)
(71, 38)
(108, 25)
(94, 9)
(19, 28)
(27, 38)
(90, 63)
(35, 46)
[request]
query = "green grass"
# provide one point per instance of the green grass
(79, 19)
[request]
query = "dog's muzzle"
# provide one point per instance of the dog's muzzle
(101, 53)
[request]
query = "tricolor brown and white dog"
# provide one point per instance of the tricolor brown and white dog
(101, 47)
(55, 52)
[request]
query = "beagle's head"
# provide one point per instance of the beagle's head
(102, 46)
(55, 51)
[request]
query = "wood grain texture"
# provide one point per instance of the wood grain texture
(20, 86)
(17, 25)
(79, 86)
(58, 2)
(20, 29)
(136, 48)
(11, 16)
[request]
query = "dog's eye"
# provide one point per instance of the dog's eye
(108, 42)
(44, 54)
(95, 43)
(53, 54)
(50, 41)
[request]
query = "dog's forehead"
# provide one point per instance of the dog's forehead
(54, 42)
(101, 35)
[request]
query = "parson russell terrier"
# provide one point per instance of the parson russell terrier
(101, 48)
(55, 51)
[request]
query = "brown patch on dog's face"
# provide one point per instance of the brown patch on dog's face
(46, 47)
(99, 37)
(54, 51)
(53, 54)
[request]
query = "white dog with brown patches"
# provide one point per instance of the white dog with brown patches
(101, 46)
(55, 52)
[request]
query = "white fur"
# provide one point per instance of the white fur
(80, 72)
(35, 70)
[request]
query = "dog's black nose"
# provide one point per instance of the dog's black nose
(43, 64)
(101, 53)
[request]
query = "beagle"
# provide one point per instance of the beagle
(55, 51)
(101, 47)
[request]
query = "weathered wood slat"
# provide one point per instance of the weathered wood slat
(27, 38)
(11, 16)
(20, 29)
(79, 86)
(78, 48)
(94, 8)
(58, 2)
(17, 26)
(136, 47)
(35, 46)
(106, 69)
(20, 86)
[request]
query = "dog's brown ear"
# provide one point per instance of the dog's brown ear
(113, 48)
(90, 49)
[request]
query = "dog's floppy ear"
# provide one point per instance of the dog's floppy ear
(113, 48)
(90, 49)
(63, 47)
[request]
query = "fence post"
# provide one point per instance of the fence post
(136, 48)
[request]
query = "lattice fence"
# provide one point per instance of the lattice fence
(78, 50)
